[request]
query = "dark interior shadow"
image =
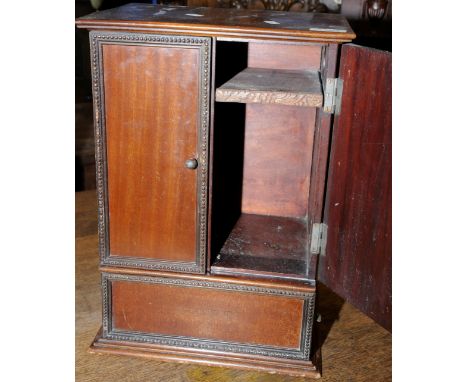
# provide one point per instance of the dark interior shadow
(327, 309)
(228, 147)
(79, 174)
(228, 152)
(373, 33)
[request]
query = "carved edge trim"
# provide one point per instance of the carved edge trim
(101, 186)
(195, 343)
(203, 146)
(307, 323)
(209, 284)
(146, 263)
(204, 45)
(106, 305)
(188, 342)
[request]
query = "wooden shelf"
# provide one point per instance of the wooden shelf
(268, 246)
(270, 86)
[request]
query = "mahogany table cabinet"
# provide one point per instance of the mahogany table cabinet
(228, 153)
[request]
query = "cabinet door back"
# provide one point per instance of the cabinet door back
(357, 260)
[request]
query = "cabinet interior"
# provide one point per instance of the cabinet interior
(262, 145)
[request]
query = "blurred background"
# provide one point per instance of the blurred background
(370, 19)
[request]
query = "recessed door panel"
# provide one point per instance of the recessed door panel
(208, 314)
(154, 92)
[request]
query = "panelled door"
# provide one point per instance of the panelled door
(151, 96)
(357, 262)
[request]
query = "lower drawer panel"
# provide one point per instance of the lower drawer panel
(208, 315)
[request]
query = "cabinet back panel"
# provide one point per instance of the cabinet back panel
(284, 56)
(277, 159)
(151, 109)
(207, 313)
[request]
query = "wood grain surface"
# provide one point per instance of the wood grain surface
(284, 56)
(358, 260)
(354, 347)
(277, 159)
(222, 22)
(265, 245)
(272, 86)
(151, 131)
(207, 313)
(320, 154)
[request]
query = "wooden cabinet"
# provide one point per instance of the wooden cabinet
(219, 176)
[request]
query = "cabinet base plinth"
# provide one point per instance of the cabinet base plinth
(170, 354)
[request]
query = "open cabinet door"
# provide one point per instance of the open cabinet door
(356, 263)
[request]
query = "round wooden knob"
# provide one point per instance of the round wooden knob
(191, 164)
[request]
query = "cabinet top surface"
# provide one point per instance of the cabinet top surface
(222, 22)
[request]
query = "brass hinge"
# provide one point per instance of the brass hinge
(333, 93)
(318, 241)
